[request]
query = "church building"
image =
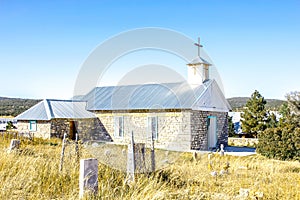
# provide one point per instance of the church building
(180, 116)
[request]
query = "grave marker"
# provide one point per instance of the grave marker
(222, 150)
(136, 159)
(130, 160)
(14, 144)
(152, 156)
(88, 177)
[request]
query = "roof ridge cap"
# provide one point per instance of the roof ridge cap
(140, 84)
(48, 109)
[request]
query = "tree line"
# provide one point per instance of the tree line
(278, 138)
(238, 103)
(15, 106)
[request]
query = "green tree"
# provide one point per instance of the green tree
(272, 121)
(231, 132)
(285, 113)
(293, 100)
(283, 142)
(254, 117)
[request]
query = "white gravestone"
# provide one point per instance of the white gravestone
(222, 150)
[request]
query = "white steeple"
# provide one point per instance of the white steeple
(198, 70)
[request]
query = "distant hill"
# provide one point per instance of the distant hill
(240, 102)
(15, 106)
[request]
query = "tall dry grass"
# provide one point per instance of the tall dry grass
(33, 173)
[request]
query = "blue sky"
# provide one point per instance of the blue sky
(254, 44)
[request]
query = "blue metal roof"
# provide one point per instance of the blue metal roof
(60, 109)
(207, 97)
(149, 96)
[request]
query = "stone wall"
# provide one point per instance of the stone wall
(222, 128)
(243, 142)
(199, 130)
(59, 127)
(199, 138)
(173, 128)
(87, 129)
(92, 129)
(42, 129)
(177, 130)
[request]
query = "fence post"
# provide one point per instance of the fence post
(152, 156)
(139, 156)
(131, 160)
(88, 177)
(77, 148)
(62, 153)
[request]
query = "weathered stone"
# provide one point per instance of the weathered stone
(173, 131)
(180, 130)
(88, 177)
(199, 128)
(14, 144)
(251, 142)
(139, 152)
(42, 129)
(131, 164)
(86, 128)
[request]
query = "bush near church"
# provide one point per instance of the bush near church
(283, 142)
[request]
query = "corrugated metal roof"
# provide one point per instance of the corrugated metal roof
(147, 96)
(207, 96)
(69, 109)
(37, 112)
(61, 109)
(212, 99)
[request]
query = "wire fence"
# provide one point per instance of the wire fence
(25, 138)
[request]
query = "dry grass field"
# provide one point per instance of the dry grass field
(33, 173)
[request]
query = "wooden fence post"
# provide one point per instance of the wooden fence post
(131, 160)
(77, 148)
(88, 177)
(139, 156)
(62, 153)
(152, 156)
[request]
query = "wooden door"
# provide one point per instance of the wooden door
(72, 131)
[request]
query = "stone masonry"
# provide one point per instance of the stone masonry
(199, 129)
(42, 129)
(179, 130)
(173, 128)
(92, 129)
(59, 127)
(87, 129)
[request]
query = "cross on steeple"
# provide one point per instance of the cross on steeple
(198, 71)
(199, 46)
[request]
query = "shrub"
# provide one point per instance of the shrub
(281, 143)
